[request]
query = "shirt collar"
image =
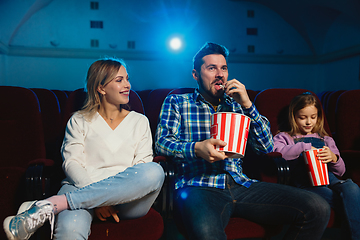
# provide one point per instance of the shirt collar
(224, 99)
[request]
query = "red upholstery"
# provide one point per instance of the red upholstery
(22, 141)
(323, 97)
(249, 229)
(252, 94)
(51, 121)
(135, 102)
(347, 120)
(12, 190)
(153, 106)
(143, 94)
(62, 98)
(74, 103)
(147, 227)
(348, 132)
(330, 110)
(181, 90)
(273, 104)
(20, 126)
(50, 112)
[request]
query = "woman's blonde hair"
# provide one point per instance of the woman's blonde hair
(301, 101)
(99, 74)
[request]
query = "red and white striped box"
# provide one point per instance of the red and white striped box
(232, 128)
(318, 170)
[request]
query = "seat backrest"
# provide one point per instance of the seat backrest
(20, 126)
(77, 99)
(325, 99)
(348, 120)
(50, 113)
(330, 109)
(153, 105)
(252, 94)
(136, 103)
(62, 98)
(143, 94)
(74, 103)
(274, 103)
(182, 90)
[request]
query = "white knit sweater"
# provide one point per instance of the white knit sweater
(92, 151)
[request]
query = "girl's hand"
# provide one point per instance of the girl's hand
(326, 155)
(104, 212)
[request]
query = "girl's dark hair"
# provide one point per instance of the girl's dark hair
(301, 101)
(207, 49)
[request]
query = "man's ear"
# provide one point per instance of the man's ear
(195, 74)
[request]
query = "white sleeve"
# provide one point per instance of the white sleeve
(72, 151)
(144, 149)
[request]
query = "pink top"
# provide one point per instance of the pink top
(285, 144)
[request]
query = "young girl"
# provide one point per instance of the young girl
(107, 153)
(307, 132)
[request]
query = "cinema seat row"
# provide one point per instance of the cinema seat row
(32, 124)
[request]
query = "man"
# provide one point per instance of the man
(210, 188)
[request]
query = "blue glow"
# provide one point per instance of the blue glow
(183, 195)
(175, 43)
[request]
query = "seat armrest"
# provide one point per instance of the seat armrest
(282, 166)
(37, 178)
(164, 200)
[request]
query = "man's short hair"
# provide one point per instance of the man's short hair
(207, 49)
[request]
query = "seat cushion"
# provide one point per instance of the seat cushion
(148, 227)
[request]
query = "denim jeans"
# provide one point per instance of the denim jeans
(206, 211)
(344, 197)
(131, 192)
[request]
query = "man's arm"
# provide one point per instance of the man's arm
(167, 140)
(260, 136)
(169, 143)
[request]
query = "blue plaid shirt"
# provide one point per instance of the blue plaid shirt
(184, 120)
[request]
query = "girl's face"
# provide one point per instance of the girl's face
(306, 119)
(118, 89)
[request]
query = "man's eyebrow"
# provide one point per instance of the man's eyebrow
(211, 65)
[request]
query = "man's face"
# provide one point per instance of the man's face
(212, 75)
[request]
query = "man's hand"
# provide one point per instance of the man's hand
(237, 91)
(104, 212)
(206, 150)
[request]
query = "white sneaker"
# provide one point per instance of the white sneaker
(26, 223)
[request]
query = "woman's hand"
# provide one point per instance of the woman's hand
(326, 155)
(104, 212)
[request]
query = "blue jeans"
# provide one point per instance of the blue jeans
(206, 211)
(131, 192)
(344, 197)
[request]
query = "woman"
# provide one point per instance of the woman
(107, 153)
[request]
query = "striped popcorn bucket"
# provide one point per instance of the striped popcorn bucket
(318, 170)
(232, 128)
